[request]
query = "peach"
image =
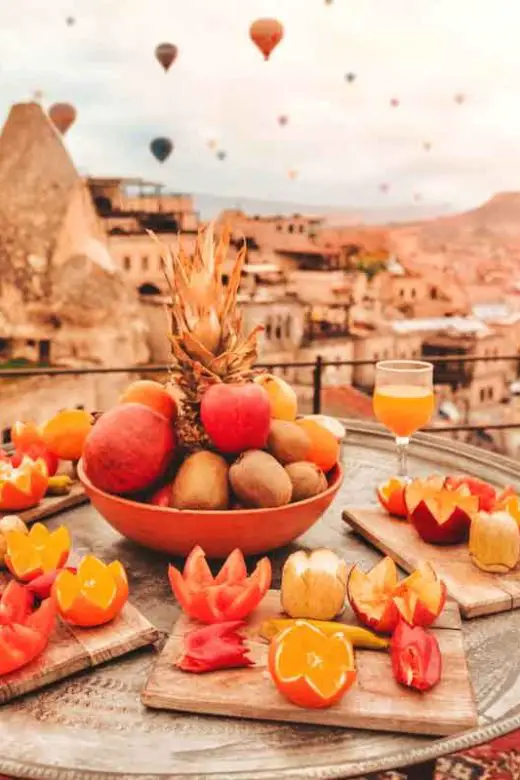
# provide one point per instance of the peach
(129, 449)
(282, 398)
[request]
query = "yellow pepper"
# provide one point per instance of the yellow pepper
(360, 637)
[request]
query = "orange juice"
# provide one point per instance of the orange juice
(403, 409)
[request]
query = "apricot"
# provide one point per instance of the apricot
(282, 398)
(152, 394)
(325, 448)
(64, 434)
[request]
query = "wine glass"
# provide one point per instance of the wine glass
(403, 401)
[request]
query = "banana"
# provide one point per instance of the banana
(360, 637)
(59, 485)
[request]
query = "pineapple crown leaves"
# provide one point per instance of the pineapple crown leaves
(206, 325)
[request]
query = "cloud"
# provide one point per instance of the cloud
(345, 139)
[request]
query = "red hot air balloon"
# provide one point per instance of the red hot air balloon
(63, 116)
(166, 54)
(394, 102)
(161, 148)
(266, 34)
(384, 187)
(282, 120)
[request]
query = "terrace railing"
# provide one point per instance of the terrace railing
(317, 367)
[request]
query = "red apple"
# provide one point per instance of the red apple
(162, 496)
(486, 493)
(420, 598)
(236, 417)
(371, 595)
(440, 516)
(391, 497)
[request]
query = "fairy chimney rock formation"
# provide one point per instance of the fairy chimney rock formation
(57, 279)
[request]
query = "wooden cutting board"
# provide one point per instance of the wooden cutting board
(72, 650)
(476, 592)
(375, 702)
(53, 505)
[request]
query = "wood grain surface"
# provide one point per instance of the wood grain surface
(376, 702)
(72, 649)
(53, 505)
(476, 592)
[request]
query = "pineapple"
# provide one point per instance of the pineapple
(206, 327)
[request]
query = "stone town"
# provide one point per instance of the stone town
(81, 284)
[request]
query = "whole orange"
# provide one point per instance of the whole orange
(64, 434)
(325, 448)
(152, 394)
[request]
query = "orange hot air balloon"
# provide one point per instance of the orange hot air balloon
(266, 34)
(282, 120)
(292, 174)
(166, 54)
(63, 116)
(212, 144)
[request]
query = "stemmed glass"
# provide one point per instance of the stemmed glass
(403, 401)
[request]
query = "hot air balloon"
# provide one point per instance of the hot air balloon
(282, 120)
(460, 98)
(350, 77)
(161, 148)
(70, 21)
(221, 155)
(212, 144)
(417, 197)
(394, 102)
(166, 54)
(63, 116)
(266, 34)
(292, 174)
(427, 146)
(384, 187)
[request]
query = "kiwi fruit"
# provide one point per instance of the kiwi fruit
(201, 483)
(287, 442)
(258, 480)
(307, 480)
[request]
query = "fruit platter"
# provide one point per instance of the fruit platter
(224, 619)
(197, 460)
(467, 527)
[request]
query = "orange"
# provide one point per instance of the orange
(40, 551)
(64, 434)
(391, 497)
(310, 668)
(152, 394)
(282, 398)
(94, 595)
(25, 435)
(325, 448)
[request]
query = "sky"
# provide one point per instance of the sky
(344, 139)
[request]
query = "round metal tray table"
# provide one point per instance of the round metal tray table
(94, 726)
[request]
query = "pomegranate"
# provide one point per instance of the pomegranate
(129, 449)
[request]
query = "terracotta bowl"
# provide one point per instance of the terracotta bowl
(177, 531)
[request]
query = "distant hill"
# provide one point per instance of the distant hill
(210, 206)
